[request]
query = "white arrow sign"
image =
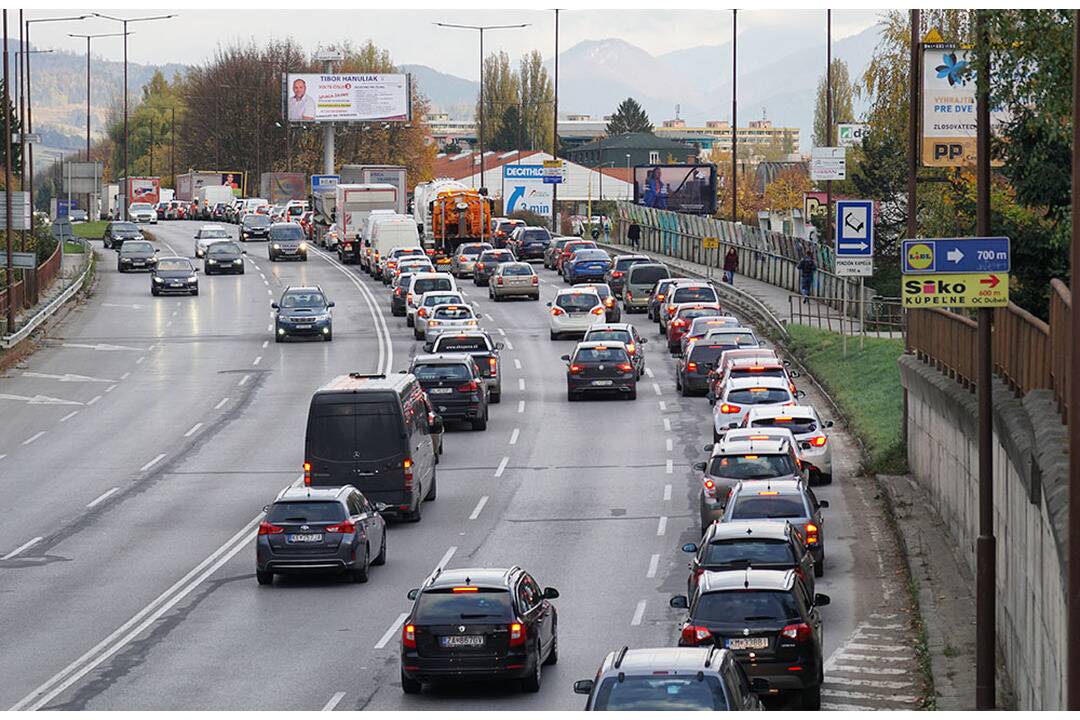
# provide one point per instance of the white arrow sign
(854, 246)
(103, 346)
(954, 255)
(39, 400)
(68, 377)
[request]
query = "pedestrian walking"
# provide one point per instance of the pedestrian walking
(731, 264)
(633, 234)
(807, 268)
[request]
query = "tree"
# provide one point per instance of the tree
(501, 90)
(15, 148)
(451, 148)
(510, 133)
(629, 117)
(786, 191)
(843, 94)
(537, 96)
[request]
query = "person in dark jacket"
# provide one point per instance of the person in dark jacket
(633, 234)
(731, 264)
(807, 268)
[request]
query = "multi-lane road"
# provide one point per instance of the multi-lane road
(139, 445)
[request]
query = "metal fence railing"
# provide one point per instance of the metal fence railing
(24, 291)
(879, 317)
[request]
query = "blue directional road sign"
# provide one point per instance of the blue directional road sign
(854, 228)
(324, 182)
(956, 255)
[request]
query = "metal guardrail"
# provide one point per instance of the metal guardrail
(55, 304)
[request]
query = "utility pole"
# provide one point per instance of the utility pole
(172, 146)
(151, 128)
(10, 276)
(828, 129)
(555, 134)
(734, 122)
(914, 82)
(1073, 628)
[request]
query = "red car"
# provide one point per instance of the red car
(308, 225)
(569, 249)
(684, 315)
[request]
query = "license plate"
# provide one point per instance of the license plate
(303, 327)
(752, 643)
(138, 262)
(601, 382)
(441, 391)
(176, 283)
(304, 538)
(462, 641)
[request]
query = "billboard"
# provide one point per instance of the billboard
(948, 111)
(524, 189)
(188, 184)
(280, 186)
(682, 188)
(144, 189)
(314, 97)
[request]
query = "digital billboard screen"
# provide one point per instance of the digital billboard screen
(681, 188)
(314, 97)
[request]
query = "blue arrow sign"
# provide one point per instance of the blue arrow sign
(517, 194)
(955, 255)
(854, 228)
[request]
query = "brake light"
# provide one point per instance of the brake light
(408, 636)
(406, 465)
(575, 369)
(709, 484)
(466, 589)
(307, 473)
(430, 251)
(695, 634)
(624, 367)
(660, 297)
(408, 298)
(499, 280)
(818, 441)
(557, 311)
(678, 323)
(479, 266)
(493, 365)
(617, 273)
(610, 302)
(462, 258)
(343, 528)
(422, 312)
(691, 366)
(598, 310)
(517, 634)
(671, 310)
(758, 437)
(348, 246)
(811, 534)
(470, 386)
(629, 295)
(728, 408)
(266, 528)
(397, 292)
(631, 348)
(799, 633)
(535, 280)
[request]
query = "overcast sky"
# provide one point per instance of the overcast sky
(411, 37)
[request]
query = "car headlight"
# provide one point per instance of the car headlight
(211, 261)
(157, 279)
(192, 278)
(276, 246)
(303, 247)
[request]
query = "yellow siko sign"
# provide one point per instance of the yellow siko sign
(975, 290)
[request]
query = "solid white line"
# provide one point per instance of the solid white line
(265, 343)
(333, 701)
(513, 435)
(878, 648)
(257, 360)
(521, 383)
(24, 546)
(661, 527)
(670, 467)
(521, 406)
(667, 424)
(654, 563)
(649, 372)
(517, 364)
(837, 707)
(125, 376)
(667, 492)
(221, 403)
(656, 388)
(139, 360)
(877, 658)
(33, 437)
(669, 444)
(243, 380)
(152, 463)
(70, 415)
(270, 327)
(479, 508)
(501, 331)
(194, 429)
(663, 406)
(111, 388)
(639, 614)
(502, 466)
(101, 498)
(93, 400)
(446, 557)
(389, 634)
(509, 345)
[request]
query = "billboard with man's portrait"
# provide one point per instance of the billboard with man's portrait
(314, 97)
(681, 188)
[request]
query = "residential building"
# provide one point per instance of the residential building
(757, 137)
(632, 149)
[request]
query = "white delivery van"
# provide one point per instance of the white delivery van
(369, 258)
(388, 233)
(353, 205)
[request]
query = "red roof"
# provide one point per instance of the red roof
(463, 165)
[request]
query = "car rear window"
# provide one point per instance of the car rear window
(751, 506)
(497, 256)
(424, 285)
(574, 245)
(647, 275)
(438, 607)
(471, 249)
(403, 279)
(455, 344)
(661, 692)
(591, 255)
(453, 312)
(738, 606)
(254, 219)
(622, 336)
(733, 339)
(758, 396)
(691, 313)
(535, 236)
(578, 302)
(356, 431)
(798, 426)
(693, 294)
(443, 371)
(137, 247)
(751, 467)
(432, 300)
(517, 270)
(746, 372)
(702, 353)
(597, 354)
(224, 248)
(752, 552)
(305, 512)
(624, 263)
(303, 300)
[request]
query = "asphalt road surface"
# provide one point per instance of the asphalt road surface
(139, 446)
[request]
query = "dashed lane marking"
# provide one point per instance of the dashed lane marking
(221, 403)
(140, 359)
(257, 360)
(661, 526)
(125, 376)
(521, 383)
(656, 388)
(654, 563)
(265, 343)
(514, 436)
(663, 406)
(479, 508)
(509, 345)
(517, 364)
(333, 701)
(669, 467)
(33, 437)
(649, 372)
(70, 415)
(194, 429)
(93, 400)
(667, 492)
(639, 613)
(152, 463)
(502, 466)
(243, 380)
(111, 388)
(501, 331)
(669, 444)
(389, 634)
(102, 497)
(521, 406)
(667, 424)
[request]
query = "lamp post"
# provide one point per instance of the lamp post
(125, 21)
(629, 178)
(88, 39)
(481, 29)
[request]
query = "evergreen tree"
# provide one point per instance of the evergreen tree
(629, 117)
(510, 133)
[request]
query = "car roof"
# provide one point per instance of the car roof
(755, 360)
(576, 290)
(627, 327)
(750, 529)
(212, 226)
(480, 577)
(767, 382)
(769, 411)
(780, 486)
(729, 329)
(443, 359)
(430, 275)
(670, 659)
(353, 382)
(591, 344)
(302, 289)
(741, 446)
(465, 333)
(634, 257)
(745, 434)
(748, 579)
(312, 494)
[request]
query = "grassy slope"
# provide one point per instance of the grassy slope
(93, 230)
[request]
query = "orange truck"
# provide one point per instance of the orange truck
(458, 216)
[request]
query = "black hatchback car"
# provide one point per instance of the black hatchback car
(303, 311)
(174, 275)
(602, 366)
(315, 529)
(692, 369)
(117, 232)
(224, 257)
(487, 262)
(455, 386)
(479, 623)
(136, 255)
(740, 544)
(768, 619)
(254, 225)
(398, 293)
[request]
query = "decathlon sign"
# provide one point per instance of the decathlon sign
(524, 189)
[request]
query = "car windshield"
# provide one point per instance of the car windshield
(141, 206)
(453, 312)
(446, 343)
(758, 396)
(137, 247)
(751, 467)
(647, 275)
(256, 220)
(305, 512)
(292, 231)
(432, 300)
(738, 606)
(213, 233)
(754, 505)
(754, 552)
(439, 607)
(693, 294)
(444, 371)
(600, 354)
(602, 290)
(224, 248)
(661, 692)
(797, 425)
(303, 300)
(174, 265)
(577, 302)
(622, 336)
(517, 269)
(125, 227)
(590, 255)
(423, 285)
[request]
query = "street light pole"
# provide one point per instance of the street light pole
(10, 275)
(88, 39)
(555, 134)
(734, 123)
(1072, 642)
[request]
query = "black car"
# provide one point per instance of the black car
(616, 274)
(740, 544)
(117, 232)
(529, 243)
(625, 333)
(479, 623)
(224, 257)
(692, 369)
(287, 241)
(174, 275)
(600, 367)
(314, 529)
(303, 311)
(136, 255)
(254, 225)
(768, 619)
(486, 264)
(453, 383)
(397, 295)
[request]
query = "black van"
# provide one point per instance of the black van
(376, 434)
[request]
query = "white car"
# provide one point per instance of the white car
(740, 394)
(574, 311)
(809, 431)
(208, 234)
(389, 262)
(424, 282)
(741, 338)
(449, 318)
(427, 303)
(142, 212)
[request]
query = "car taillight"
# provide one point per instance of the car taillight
(811, 534)
(709, 484)
(462, 258)
(408, 636)
(535, 280)
(422, 312)
(470, 386)
(729, 408)
(798, 633)
(430, 251)
(266, 528)
(610, 302)
(493, 365)
(408, 298)
(671, 310)
(629, 295)
(406, 465)
(557, 311)
(343, 528)
(348, 246)
(691, 366)
(575, 369)
(598, 310)
(617, 274)
(660, 297)
(307, 473)
(517, 634)
(818, 441)
(678, 323)
(499, 280)
(624, 367)
(479, 266)
(695, 634)
(631, 348)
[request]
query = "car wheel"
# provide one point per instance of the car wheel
(554, 335)
(633, 394)
(826, 479)
(480, 423)
(532, 683)
(571, 396)
(360, 574)
(819, 568)
(380, 559)
(553, 653)
(153, 291)
(417, 335)
(811, 698)
(119, 267)
(433, 491)
(409, 321)
(264, 577)
(410, 686)
(328, 337)
(195, 292)
(496, 398)
(414, 516)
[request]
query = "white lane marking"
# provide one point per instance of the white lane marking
(667, 491)
(656, 388)
(391, 631)
(221, 403)
(838, 707)
(639, 614)
(125, 376)
(257, 360)
(102, 497)
(670, 467)
(101, 346)
(878, 658)
(875, 682)
(270, 327)
(110, 388)
(93, 400)
(669, 444)
(649, 372)
(877, 648)
(25, 546)
(446, 557)
(502, 466)
(479, 508)
(333, 701)
(243, 380)
(654, 563)
(152, 463)
(139, 361)
(509, 345)
(33, 437)
(663, 406)
(661, 526)
(3, 456)
(854, 695)
(517, 364)
(194, 429)
(169, 324)
(488, 316)
(501, 331)
(66, 377)
(265, 343)
(266, 282)
(667, 424)
(70, 415)
(270, 293)
(521, 406)
(513, 435)
(521, 383)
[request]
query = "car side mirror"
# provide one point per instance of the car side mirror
(331, 304)
(821, 600)
(759, 684)
(550, 593)
(679, 602)
(708, 447)
(274, 305)
(793, 374)
(712, 397)
(787, 363)
(800, 393)
(828, 423)
(699, 466)
(243, 252)
(266, 508)
(412, 593)
(565, 358)
(437, 424)
(644, 341)
(583, 687)
(689, 548)
(823, 503)
(499, 346)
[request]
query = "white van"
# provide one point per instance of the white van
(368, 261)
(388, 233)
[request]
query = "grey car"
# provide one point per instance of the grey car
(641, 278)
(174, 275)
(136, 255)
(479, 345)
(303, 311)
(514, 279)
(488, 262)
(320, 529)
(254, 225)
(287, 241)
(224, 256)
(464, 261)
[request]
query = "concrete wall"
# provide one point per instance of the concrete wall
(1030, 495)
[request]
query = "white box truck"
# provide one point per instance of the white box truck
(352, 206)
(210, 195)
